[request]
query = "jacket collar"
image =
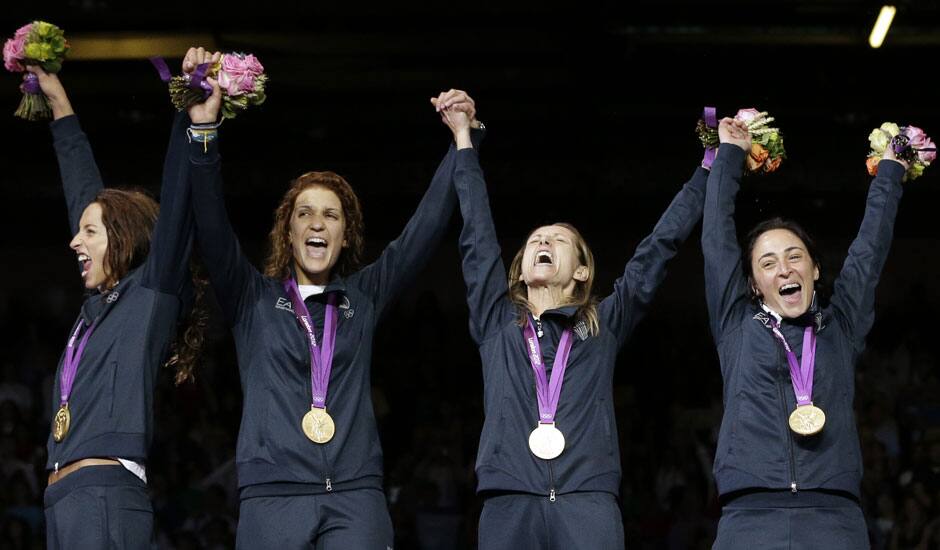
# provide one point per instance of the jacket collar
(812, 316)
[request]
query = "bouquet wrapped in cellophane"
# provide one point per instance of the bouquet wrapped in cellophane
(909, 143)
(37, 43)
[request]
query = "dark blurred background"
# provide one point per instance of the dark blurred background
(591, 108)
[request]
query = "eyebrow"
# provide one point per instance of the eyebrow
(324, 209)
(785, 251)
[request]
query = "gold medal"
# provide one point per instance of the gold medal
(546, 441)
(318, 425)
(61, 423)
(807, 420)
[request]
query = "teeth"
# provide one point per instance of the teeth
(83, 257)
(789, 286)
(316, 241)
(543, 257)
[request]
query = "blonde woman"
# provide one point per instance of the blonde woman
(548, 464)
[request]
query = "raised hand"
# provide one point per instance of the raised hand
(197, 56)
(735, 132)
(206, 112)
(890, 155)
(53, 90)
(458, 112)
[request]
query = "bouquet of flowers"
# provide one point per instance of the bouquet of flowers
(909, 143)
(767, 150)
(38, 43)
(241, 78)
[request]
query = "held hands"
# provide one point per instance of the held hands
(735, 132)
(53, 90)
(458, 112)
(206, 112)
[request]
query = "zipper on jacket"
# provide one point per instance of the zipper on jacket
(329, 468)
(551, 479)
(783, 405)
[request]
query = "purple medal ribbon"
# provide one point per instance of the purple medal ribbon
(72, 357)
(711, 121)
(801, 374)
(547, 391)
(321, 357)
(197, 80)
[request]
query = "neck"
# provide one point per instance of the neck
(304, 278)
(544, 298)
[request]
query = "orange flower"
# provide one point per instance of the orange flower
(772, 164)
(757, 157)
(872, 164)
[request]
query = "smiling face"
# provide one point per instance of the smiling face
(550, 259)
(317, 234)
(783, 273)
(91, 246)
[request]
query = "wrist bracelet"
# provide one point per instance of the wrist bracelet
(202, 135)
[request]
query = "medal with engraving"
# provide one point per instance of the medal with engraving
(806, 419)
(546, 441)
(63, 417)
(317, 424)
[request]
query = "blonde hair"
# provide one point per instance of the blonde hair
(582, 297)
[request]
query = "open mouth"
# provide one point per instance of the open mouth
(316, 246)
(791, 292)
(543, 257)
(84, 263)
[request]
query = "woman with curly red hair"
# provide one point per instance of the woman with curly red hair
(309, 460)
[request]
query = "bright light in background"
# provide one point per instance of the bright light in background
(882, 25)
(134, 45)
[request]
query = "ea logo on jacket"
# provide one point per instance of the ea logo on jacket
(285, 304)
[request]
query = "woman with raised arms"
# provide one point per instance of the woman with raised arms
(134, 262)
(548, 464)
(788, 464)
(309, 460)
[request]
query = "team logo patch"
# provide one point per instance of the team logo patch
(349, 310)
(581, 330)
(285, 304)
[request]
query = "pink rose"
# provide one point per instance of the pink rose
(23, 31)
(13, 54)
(927, 156)
(238, 73)
(253, 65)
(916, 135)
(746, 115)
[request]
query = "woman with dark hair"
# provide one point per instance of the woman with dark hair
(309, 461)
(548, 464)
(134, 259)
(788, 464)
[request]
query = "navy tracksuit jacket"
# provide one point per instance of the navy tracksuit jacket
(112, 397)
(756, 449)
(274, 457)
(591, 459)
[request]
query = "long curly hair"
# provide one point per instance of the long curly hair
(582, 297)
(191, 331)
(278, 262)
(129, 217)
